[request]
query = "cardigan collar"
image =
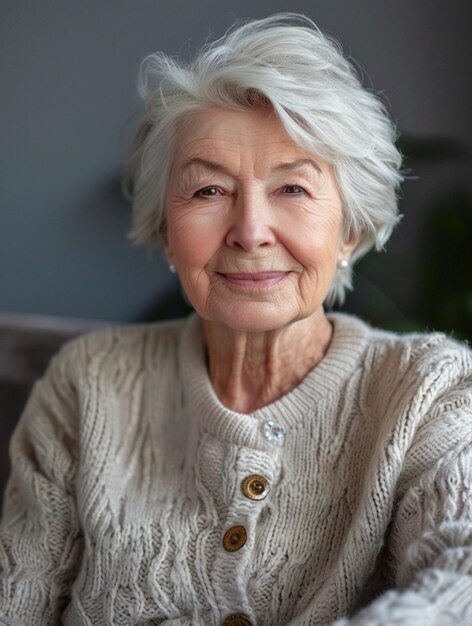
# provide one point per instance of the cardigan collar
(327, 378)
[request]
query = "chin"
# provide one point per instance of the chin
(254, 318)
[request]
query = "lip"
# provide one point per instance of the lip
(254, 281)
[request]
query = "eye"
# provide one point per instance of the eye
(207, 192)
(293, 189)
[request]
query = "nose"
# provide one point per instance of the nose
(251, 226)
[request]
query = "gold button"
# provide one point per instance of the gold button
(234, 538)
(237, 619)
(255, 487)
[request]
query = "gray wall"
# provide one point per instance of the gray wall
(68, 106)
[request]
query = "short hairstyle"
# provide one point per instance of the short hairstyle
(286, 62)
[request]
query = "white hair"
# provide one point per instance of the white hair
(286, 62)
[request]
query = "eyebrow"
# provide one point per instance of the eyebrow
(289, 165)
(209, 165)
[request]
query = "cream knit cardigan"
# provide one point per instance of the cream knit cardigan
(127, 472)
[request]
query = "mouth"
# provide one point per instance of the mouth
(254, 281)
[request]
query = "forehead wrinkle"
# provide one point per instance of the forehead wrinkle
(227, 155)
(198, 140)
(209, 153)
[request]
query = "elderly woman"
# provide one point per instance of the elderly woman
(261, 462)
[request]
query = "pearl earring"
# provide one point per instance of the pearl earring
(343, 264)
(172, 269)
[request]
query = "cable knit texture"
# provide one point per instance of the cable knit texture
(127, 473)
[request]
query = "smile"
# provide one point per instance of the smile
(258, 280)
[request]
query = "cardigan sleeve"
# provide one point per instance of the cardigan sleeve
(40, 541)
(431, 533)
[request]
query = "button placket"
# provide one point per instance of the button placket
(254, 470)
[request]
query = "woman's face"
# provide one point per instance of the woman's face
(255, 224)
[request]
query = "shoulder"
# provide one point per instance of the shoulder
(434, 360)
(415, 390)
(416, 355)
(105, 362)
(116, 349)
(415, 372)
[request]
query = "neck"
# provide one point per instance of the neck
(251, 370)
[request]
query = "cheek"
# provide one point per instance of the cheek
(316, 242)
(190, 238)
(192, 242)
(190, 256)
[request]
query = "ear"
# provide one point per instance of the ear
(168, 253)
(347, 247)
(166, 247)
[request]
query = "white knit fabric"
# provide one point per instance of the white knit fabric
(127, 473)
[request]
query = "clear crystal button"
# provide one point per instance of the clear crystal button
(273, 432)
